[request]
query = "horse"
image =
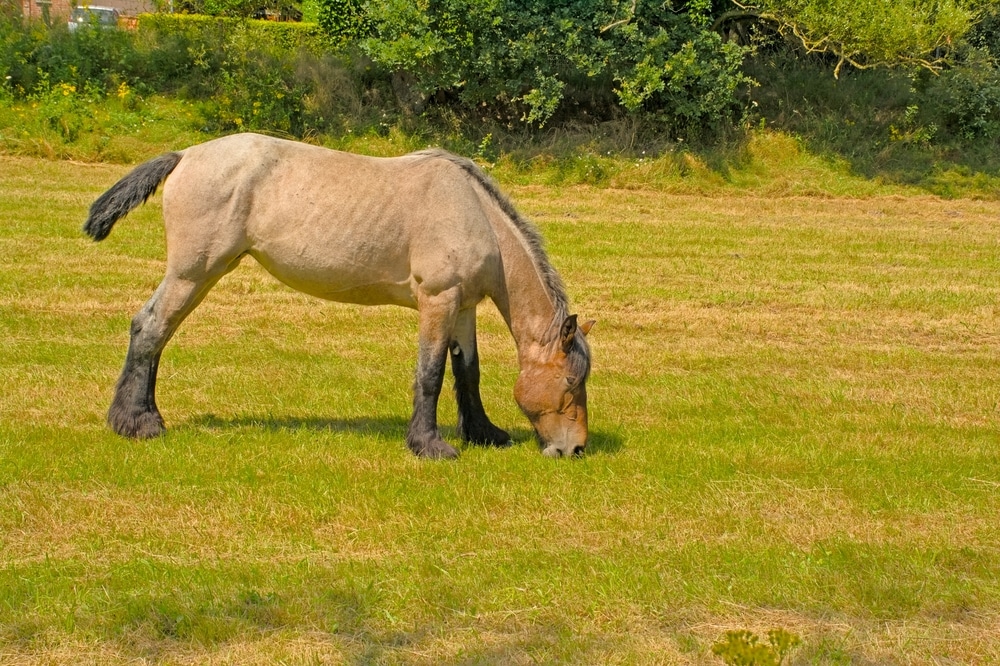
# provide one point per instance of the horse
(428, 230)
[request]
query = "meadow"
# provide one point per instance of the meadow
(795, 406)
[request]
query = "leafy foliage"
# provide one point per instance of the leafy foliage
(968, 94)
(528, 75)
(285, 9)
(33, 53)
(867, 33)
(343, 20)
(968, 98)
(259, 75)
(531, 57)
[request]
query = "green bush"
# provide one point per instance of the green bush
(343, 20)
(284, 9)
(537, 58)
(985, 34)
(62, 109)
(258, 75)
(168, 52)
(870, 33)
(967, 95)
(33, 53)
(251, 70)
(280, 35)
(257, 88)
(968, 99)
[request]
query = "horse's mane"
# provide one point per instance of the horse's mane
(526, 230)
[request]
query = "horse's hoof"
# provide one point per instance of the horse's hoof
(434, 449)
(143, 425)
(489, 435)
(438, 451)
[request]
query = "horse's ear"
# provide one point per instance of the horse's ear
(568, 332)
(587, 325)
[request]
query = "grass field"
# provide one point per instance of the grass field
(795, 412)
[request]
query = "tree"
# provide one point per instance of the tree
(529, 55)
(868, 33)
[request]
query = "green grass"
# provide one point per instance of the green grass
(65, 123)
(794, 424)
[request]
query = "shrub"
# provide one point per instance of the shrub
(968, 98)
(32, 53)
(531, 57)
(257, 88)
(259, 75)
(62, 109)
(967, 95)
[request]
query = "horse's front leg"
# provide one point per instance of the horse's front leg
(473, 424)
(437, 321)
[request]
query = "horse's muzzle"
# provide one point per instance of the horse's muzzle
(557, 451)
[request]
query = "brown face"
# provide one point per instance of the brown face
(552, 393)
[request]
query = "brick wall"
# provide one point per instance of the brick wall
(34, 9)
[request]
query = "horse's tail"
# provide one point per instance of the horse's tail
(127, 194)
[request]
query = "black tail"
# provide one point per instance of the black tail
(128, 193)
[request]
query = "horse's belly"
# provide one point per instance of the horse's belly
(377, 293)
(345, 283)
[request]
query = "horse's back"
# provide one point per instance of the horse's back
(337, 225)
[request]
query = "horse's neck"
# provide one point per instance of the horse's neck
(524, 301)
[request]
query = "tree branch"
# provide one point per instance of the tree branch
(615, 24)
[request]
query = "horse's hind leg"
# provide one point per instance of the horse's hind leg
(473, 424)
(133, 411)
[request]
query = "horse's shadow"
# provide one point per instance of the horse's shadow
(390, 427)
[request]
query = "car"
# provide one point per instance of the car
(103, 17)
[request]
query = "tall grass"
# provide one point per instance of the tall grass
(794, 409)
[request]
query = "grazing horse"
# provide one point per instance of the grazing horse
(428, 231)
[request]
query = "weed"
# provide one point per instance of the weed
(743, 648)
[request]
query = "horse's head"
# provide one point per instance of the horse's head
(552, 390)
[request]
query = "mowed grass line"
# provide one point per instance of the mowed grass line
(794, 415)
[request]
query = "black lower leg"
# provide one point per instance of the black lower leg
(473, 424)
(133, 411)
(422, 436)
